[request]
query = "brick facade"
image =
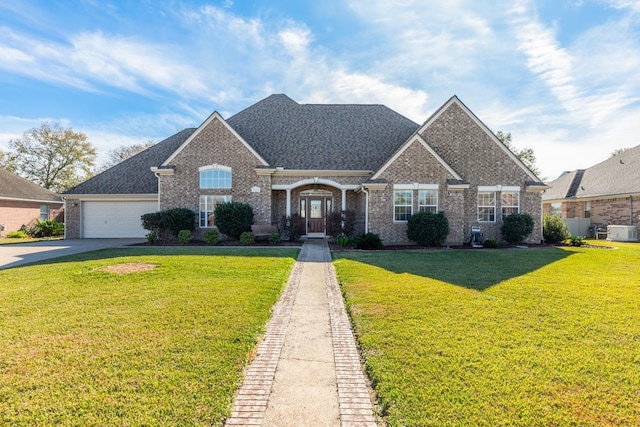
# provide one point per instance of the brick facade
(464, 145)
(457, 138)
(15, 214)
(452, 147)
(216, 144)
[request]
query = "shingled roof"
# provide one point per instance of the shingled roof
(618, 175)
(286, 134)
(13, 187)
(315, 137)
(134, 176)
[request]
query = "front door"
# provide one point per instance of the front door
(315, 217)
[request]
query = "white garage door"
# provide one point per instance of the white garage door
(115, 219)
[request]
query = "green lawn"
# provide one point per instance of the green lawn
(83, 346)
(535, 337)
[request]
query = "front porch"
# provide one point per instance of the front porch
(315, 202)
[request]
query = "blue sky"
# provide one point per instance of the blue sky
(562, 76)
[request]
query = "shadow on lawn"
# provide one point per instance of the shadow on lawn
(278, 252)
(471, 269)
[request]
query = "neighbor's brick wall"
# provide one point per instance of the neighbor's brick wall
(475, 156)
(215, 144)
(15, 214)
(615, 211)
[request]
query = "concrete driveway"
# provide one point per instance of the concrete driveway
(25, 253)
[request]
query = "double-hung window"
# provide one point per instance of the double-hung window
(428, 201)
(486, 206)
(510, 201)
(44, 212)
(402, 204)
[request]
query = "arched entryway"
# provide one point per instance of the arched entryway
(315, 205)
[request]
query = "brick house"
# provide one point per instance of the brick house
(286, 158)
(22, 202)
(605, 194)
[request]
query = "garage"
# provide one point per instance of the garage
(112, 219)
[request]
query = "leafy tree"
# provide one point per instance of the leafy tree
(554, 229)
(122, 153)
(51, 156)
(526, 155)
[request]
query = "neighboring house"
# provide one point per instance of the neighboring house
(22, 202)
(605, 194)
(286, 158)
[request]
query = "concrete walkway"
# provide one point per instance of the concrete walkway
(307, 369)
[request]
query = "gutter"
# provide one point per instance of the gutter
(366, 210)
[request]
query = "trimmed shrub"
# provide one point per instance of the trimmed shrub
(17, 235)
(341, 222)
(274, 239)
(554, 229)
(293, 226)
(247, 238)
(178, 219)
(428, 229)
(152, 221)
(233, 218)
(211, 237)
(185, 236)
(490, 244)
(516, 227)
(368, 241)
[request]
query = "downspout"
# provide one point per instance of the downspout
(630, 210)
(366, 210)
(158, 176)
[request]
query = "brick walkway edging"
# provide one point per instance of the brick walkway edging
(354, 400)
(251, 400)
(353, 394)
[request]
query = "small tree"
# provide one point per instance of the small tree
(293, 226)
(233, 218)
(428, 229)
(341, 223)
(554, 229)
(516, 228)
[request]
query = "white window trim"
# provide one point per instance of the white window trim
(209, 211)
(416, 186)
(486, 206)
(394, 204)
(214, 167)
(437, 205)
(508, 206)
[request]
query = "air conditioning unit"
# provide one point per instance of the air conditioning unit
(622, 233)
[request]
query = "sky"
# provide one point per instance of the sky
(562, 76)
